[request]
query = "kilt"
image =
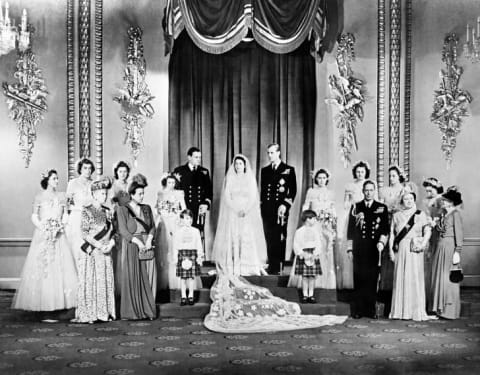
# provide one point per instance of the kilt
(192, 272)
(303, 270)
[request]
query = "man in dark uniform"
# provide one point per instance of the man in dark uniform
(277, 192)
(367, 234)
(197, 186)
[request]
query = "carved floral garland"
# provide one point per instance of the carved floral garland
(135, 97)
(349, 97)
(26, 101)
(450, 103)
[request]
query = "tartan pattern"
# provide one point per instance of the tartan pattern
(303, 270)
(192, 272)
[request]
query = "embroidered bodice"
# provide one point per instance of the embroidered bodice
(79, 193)
(319, 199)
(118, 193)
(93, 221)
(49, 205)
(353, 192)
(391, 196)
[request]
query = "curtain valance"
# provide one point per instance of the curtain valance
(217, 26)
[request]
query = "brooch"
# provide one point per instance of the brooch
(286, 171)
(379, 210)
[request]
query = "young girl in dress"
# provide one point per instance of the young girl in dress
(96, 299)
(49, 276)
(306, 265)
(188, 251)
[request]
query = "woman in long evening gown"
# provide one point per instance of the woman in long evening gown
(118, 196)
(78, 195)
(432, 204)
(170, 203)
(95, 296)
(137, 227)
(407, 253)
(49, 276)
(237, 305)
(320, 199)
(240, 241)
(353, 194)
(445, 300)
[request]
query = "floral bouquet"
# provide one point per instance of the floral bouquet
(51, 228)
(328, 218)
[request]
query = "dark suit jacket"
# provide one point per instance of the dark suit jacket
(277, 187)
(370, 230)
(196, 185)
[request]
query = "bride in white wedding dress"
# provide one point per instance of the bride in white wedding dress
(240, 249)
(239, 244)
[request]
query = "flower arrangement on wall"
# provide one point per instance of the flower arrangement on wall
(450, 102)
(135, 96)
(348, 96)
(26, 100)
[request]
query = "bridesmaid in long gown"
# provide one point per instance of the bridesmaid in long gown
(432, 204)
(118, 196)
(78, 195)
(96, 298)
(353, 194)
(320, 199)
(49, 276)
(407, 252)
(445, 301)
(137, 227)
(170, 202)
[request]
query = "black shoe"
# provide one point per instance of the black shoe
(312, 299)
(304, 299)
(190, 301)
(373, 316)
(183, 302)
(356, 316)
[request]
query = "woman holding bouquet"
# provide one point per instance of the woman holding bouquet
(49, 276)
(320, 200)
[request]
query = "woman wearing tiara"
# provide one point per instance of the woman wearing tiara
(78, 195)
(240, 241)
(118, 196)
(353, 194)
(49, 276)
(320, 199)
(170, 203)
(96, 298)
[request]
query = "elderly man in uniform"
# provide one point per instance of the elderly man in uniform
(367, 234)
(197, 186)
(277, 192)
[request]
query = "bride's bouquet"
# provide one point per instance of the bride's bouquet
(328, 218)
(51, 228)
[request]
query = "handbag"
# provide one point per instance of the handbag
(456, 274)
(146, 254)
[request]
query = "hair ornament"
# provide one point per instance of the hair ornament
(103, 182)
(45, 173)
(401, 172)
(362, 162)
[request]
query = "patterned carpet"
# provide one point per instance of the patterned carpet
(184, 346)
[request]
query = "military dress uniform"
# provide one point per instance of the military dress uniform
(278, 186)
(197, 187)
(366, 227)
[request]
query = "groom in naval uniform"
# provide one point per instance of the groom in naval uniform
(367, 234)
(197, 186)
(277, 192)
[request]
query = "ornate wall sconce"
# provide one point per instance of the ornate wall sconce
(26, 100)
(135, 96)
(451, 102)
(471, 47)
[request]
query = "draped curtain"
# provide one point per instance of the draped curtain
(241, 101)
(228, 96)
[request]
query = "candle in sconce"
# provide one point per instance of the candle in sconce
(478, 26)
(24, 20)
(468, 33)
